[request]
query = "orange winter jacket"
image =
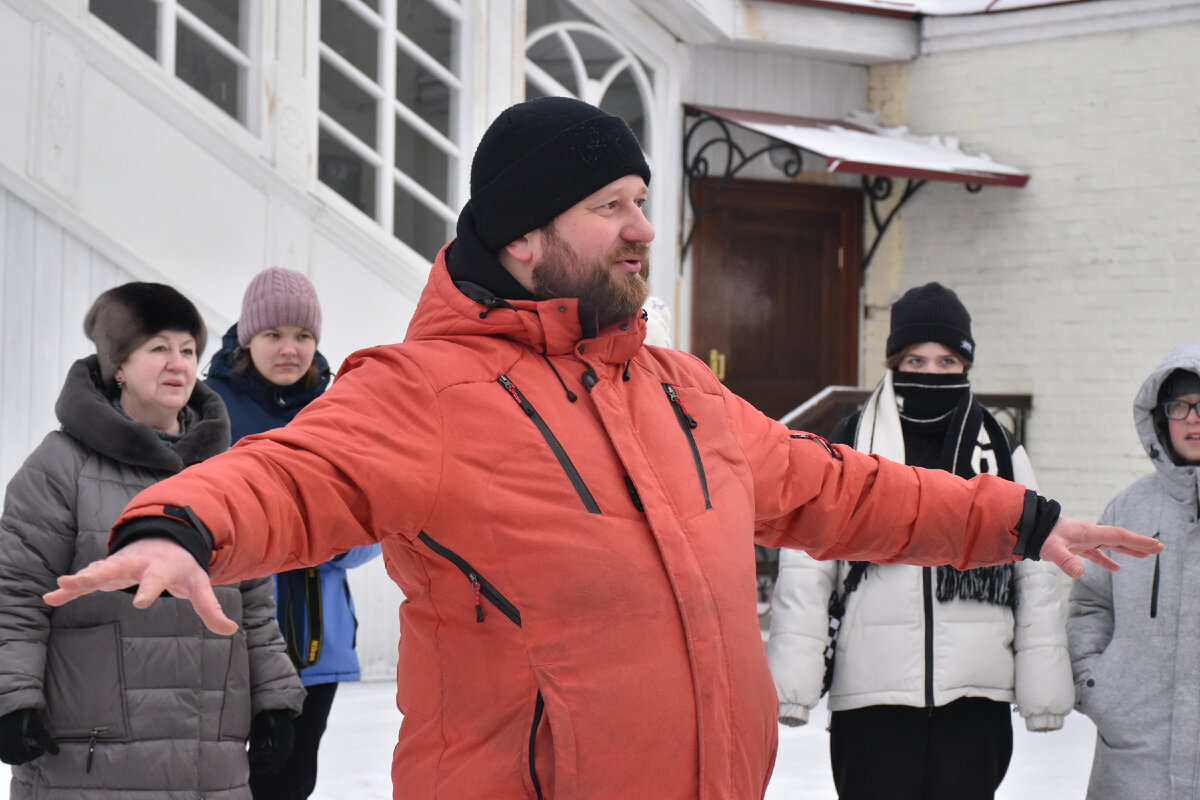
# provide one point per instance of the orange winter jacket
(570, 520)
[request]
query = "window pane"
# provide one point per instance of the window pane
(353, 108)
(223, 16)
(136, 20)
(204, 69)
(339, 168)
(431, 30)
(551, 56)
(423, 93)
(349, 35)
(418, 227)
(623, 100)
(543, 12)
(422, 161)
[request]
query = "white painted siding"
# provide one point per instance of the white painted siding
(771, 81)
(1080, 283)
(49, 280)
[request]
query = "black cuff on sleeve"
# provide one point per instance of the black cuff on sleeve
(1037, 520)
(180, 525)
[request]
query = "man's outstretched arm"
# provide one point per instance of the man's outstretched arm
(157, 564)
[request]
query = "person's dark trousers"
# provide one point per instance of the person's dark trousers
(959, 751)
(298, 777)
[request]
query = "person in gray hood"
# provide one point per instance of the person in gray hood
(1134, 635)
(102, 700)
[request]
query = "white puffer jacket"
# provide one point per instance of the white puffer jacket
(978, 649)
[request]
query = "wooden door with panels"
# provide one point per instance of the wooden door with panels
(775, 290)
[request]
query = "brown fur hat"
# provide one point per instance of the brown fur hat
(124, 317)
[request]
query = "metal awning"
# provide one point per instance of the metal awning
(859, 145)
(892, 152)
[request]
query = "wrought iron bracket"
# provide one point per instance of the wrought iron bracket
(721, 147)
(878, 189)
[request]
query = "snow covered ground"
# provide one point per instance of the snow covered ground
(356, 754)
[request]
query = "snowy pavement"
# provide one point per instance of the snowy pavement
(356, 754)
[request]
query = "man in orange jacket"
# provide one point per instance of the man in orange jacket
(568, 512)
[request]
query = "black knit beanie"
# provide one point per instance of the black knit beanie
(541, 157)
(124, 317)
(931, 313)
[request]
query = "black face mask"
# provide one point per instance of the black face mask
(927, 396)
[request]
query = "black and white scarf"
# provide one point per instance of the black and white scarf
(972, 441)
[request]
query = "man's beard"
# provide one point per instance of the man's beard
(614, 296)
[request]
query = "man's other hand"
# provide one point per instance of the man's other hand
(1073, 539)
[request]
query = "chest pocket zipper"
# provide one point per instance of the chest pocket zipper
(478, 584)
(686, 423)
(564, 460)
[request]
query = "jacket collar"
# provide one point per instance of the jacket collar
(87, 414)
(553, 327)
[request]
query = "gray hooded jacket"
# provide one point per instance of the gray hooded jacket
(1135, 634)
(145, 704)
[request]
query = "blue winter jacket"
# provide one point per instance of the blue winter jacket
(256, 405)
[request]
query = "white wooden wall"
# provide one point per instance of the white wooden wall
(49, 280)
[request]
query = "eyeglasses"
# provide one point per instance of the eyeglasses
(1178, 409)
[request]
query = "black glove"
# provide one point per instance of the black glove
(271, 739)
(23, 737)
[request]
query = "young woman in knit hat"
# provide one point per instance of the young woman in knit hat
(267, 370)
(1133, 637)
(927, 659)
(103, 700)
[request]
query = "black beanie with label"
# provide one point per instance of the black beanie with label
(931, 313)
(541, 157)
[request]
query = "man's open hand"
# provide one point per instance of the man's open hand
(154, 565)
(1072, 539)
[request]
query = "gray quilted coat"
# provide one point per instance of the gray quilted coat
(144, 704)
(1135, 634)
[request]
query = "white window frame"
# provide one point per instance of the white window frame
(381, 158)
(249, 61)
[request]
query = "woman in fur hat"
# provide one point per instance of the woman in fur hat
(1134, 643)
(928, 659)
(267, 370)
(102, 700)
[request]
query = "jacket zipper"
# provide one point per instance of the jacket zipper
(564, 461)
(92, 746)
(538, 709)
(1154, 585)
(479, 585)
(927, 591)
(686, 423)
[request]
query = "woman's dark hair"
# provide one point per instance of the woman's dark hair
(242, 362)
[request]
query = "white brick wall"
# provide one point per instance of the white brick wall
(1081, 282)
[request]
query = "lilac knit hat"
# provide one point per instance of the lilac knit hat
(278, 296)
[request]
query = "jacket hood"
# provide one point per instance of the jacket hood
(1177, 478)
(253, 385)
(553, 327)
(88, 415)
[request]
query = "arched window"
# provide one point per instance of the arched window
(576, 58)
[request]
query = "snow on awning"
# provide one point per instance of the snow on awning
(861, 146)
